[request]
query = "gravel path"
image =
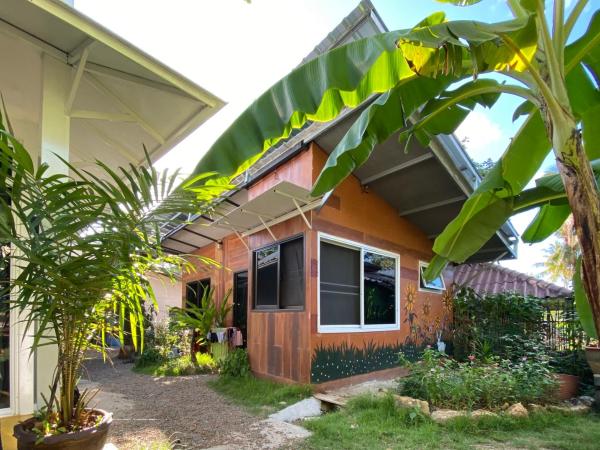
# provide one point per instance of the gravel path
(182, 410)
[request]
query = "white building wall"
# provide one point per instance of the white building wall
(168, 294)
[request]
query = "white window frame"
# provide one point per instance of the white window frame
(362, 248)
(423, 264)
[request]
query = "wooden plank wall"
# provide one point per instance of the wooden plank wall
(279, 341)
(356, 214)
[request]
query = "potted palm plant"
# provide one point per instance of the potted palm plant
(82, 244)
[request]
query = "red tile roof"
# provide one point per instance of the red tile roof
(487, 278)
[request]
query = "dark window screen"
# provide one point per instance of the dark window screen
(340, 285)
(379, 289)
(266, 269)
(195, 291)
(291, 274)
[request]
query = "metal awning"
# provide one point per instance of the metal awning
(120, 98)
(277, 204)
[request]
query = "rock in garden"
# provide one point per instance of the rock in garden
(517, 410)
(571, 409)
(586, 400)
(309, 407)
(478, 413)
(409, 402)
(536, 408)
(444, 415)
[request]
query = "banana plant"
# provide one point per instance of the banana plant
(426, 80)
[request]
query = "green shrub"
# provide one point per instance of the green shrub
(446, 383)
(150, 356)
(179, 366)
(486, 325)
(206, 363)
(235, 364)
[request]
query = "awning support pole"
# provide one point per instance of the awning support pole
(267, 227)
(237, 233)
(308, 224)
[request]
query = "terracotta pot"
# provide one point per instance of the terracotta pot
(568, 386)
(92, 438)
(592, 355)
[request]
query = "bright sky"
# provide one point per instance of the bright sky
(238, 50)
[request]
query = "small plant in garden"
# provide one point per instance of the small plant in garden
(235, 364)
(201, 319)
(446, 383)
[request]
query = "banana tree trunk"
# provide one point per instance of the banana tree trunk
(584, 199)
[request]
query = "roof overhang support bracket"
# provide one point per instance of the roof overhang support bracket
(240, 237)
(306, 221)
(128, 109)
(295, 200)
(77, 79)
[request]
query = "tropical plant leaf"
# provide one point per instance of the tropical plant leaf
(385, 116)
(347, 76)
(547, 221)
(584, 309)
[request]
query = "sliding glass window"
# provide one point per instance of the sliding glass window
(358, 287)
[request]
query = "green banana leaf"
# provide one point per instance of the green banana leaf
(347, 76)
(584, 310)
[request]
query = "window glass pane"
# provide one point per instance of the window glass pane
(379, 289)
(291, 273)
(435, 284)
(192, 292)
(339, 273)
(195, 291)
(265, 279)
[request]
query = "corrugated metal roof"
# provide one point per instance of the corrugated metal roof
(487, 278)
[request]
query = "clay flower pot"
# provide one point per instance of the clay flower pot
(568, 385)
(92, 438)
(592, 354)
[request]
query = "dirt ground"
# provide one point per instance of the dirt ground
(181, 410)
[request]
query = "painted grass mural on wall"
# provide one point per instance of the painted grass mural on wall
(343, 360)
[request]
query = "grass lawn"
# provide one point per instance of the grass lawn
(375, 423)
(260, 396)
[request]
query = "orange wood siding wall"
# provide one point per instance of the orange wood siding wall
(355, 214)
(281, 344)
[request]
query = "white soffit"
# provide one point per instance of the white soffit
(120, 98)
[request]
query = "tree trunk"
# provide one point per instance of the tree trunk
(582, 193)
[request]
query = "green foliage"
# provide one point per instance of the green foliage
(346, 76)
(235, 364)
(222, 310)
(584, 309)
(200, 319)
(151, 356)
(490, 324)
(446, 383)
(340, 361)
(261, 396)
(179, 366)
